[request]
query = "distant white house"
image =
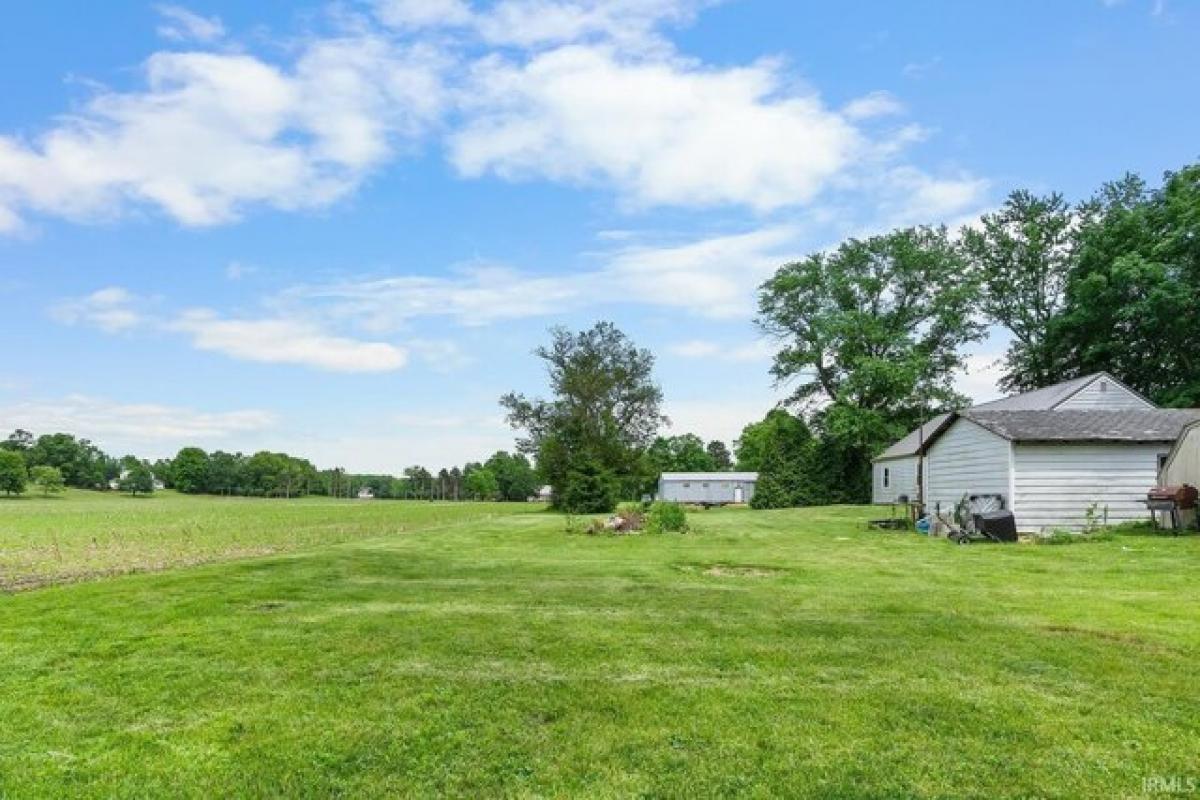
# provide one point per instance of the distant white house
(707, 488)
(1049, 456)
(542, 495)
(115, 483)
(366, 493)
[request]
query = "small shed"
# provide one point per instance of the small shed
(1182, 465)
(1053, 469)
(895, 470)
(707, 488)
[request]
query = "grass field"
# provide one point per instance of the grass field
(408, 650)
(92, 534)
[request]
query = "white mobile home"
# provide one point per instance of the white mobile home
(707, 488)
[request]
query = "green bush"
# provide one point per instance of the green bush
(665, 517)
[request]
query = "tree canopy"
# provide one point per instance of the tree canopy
(871, 335)
(1132, 298)
(13, 475)
(48, 479)
(1021, 256)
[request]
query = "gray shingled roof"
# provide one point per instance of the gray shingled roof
(1150, 425)
(909, 445)
(1042, 399)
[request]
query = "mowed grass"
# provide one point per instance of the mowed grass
(83, 535)
(767, 654)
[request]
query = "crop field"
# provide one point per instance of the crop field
(336, 648)
(90, 534)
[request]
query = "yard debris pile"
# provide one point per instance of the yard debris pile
(624, 521)
(632, 518)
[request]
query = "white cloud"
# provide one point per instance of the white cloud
(474, 295)
(440, 355)
(102, 419)
(908, 196)
(875, 104)
(631, 23)
(583, 92)
(423, 13)
(919, 69)
(180, 24)
(112, 310)
(686, 135)
(712, 277)
(747, 352)
(536, 23)
(213, 133)
(287, 341)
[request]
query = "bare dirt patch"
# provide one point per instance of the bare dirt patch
(731, 570)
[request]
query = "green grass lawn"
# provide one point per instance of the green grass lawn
(480, 651)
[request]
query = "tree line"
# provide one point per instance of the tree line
(52, 462)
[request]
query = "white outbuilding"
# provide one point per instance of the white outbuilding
(1053, 469)
(895, 470)
(707, 488)
(1084, 449)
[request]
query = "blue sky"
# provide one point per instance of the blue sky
(340, 229)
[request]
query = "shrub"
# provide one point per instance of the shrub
(666, 517)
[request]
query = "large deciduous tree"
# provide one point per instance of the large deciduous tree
(1021, 256)
(1133, 296)
(871, 335)
(190, 471)
(603, 413)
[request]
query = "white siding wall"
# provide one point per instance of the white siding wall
(1184, 467)
(967, 459)
(902, 479)
(1103, 395)
(1056, 483)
